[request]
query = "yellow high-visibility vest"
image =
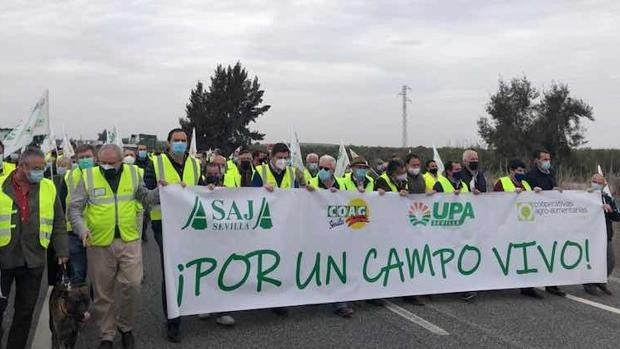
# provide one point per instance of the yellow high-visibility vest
(509, 185)
(389, 182)
(288, 181)
(7, 168)
(429, 181)
(308, 176)
(164, 171)
(315, 182)
(351, 185)
(105, 210)
(47, 199)
(447, 186)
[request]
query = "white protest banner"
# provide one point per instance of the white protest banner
(236, 249)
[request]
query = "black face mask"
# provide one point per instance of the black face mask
(212, 179)
(433, 171)
(110, 173)
(245, 165)
(473, 166)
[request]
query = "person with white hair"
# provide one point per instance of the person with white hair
(611, 215)
(472, 175)
(103, 212)
(325, 177)
(312, 167)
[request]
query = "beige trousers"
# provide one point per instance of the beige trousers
(119, 264)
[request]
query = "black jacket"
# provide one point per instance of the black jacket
(480, 181)
(537, 178)
(611, 217)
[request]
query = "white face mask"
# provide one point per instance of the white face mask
(129, 160)
(107, 166)
(281, 164)
(402, 177)
(414, 171)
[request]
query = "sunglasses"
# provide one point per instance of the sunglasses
(324, 168)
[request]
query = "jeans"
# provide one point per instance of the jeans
(28, 285)
(79, 264)
(157, 234)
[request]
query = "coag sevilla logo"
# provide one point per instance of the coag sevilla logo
(419, 213)
(355, 214)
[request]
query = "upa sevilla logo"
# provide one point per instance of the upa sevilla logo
(419, 213)
(229, 215)
(355, 214)
(445, 214)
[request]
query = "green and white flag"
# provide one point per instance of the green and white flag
(343, 161)
(36, 124)
(296, 158)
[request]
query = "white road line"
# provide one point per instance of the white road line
(593, 304)
(614, 279)
(43, 336)
(404, 313)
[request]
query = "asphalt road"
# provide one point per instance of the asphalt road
(496, 319)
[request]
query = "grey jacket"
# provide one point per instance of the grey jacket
(80, 199)
(25, 250)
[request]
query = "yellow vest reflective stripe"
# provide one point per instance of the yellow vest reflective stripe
(447, 186)
(7, 168)
(429, 181)
(350, 185)
(288, 181)
(72, 179)
(509, 186)
(47, 199)
(105, 210)
(138, 203)
(164, 171)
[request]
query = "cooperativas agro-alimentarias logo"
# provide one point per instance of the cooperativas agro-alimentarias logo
(229, 215)
(528, 211)
(356, 214)
(442, 213)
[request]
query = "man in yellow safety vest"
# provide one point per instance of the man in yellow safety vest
(103, 212)
(31, 217)
(173, 166)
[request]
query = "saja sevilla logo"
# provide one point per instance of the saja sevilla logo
(229, 215)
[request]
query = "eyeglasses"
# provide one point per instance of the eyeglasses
(324, 168)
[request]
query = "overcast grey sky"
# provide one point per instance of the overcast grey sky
(331, 69)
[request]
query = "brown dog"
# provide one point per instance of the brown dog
(68, 311)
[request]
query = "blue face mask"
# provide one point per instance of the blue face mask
(545, 165)
(85, 163)
(142, 154)
(520, 176)
(62, 171)
(313, 166)
(360, 173)
(456, 175)
(324, 175)
(178, 148)
(35, 176)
